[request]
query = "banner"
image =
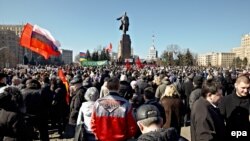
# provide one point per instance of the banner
(94, 63)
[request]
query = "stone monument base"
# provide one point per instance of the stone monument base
(124, 49)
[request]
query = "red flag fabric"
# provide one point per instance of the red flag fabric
(65, 82)
(39, 40)
(128, 66)
(138, 63)
(109, 48)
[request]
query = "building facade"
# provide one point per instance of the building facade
(244, 50)
(67, 56)
(152, 54)
(222, 59)
(10, 51)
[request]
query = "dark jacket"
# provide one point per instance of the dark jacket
(75, 105)
(206, 122)
(195, 94)
(32, 101)
(46, 97)
(12, 126)
(142, 84)
(161, 135)
(235, 111)
(125, 90)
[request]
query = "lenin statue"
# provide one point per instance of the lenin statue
(124, 23)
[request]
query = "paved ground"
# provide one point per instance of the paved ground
(185, 132)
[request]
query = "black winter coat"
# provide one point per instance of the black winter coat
(206, 122)
(12, 126)
(169, 134)
(75, 104)
(236, 111)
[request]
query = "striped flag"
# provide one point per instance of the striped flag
(40, 41)
(109, 48)
(83, 56)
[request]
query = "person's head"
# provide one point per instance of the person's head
(242, 86)
(123, 77)
(10, 98)
(33, 84)
(212, 91)
(76, 82)
(149, 93)
(92, 94)
(113, 84)
(133, 84)
(171, 91)
(16, 81)
(148, 118)
(3, 78)
(197, 82)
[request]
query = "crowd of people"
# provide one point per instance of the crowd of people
(112, 103)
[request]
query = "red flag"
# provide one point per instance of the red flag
(138, 63)
(109, 48)
(39, 40)
(128, 65)
(65, 82)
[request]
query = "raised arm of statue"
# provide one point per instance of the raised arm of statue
(119, 18)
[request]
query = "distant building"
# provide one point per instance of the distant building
(221, 59)
(113, 56)
(244, 49)
(152, 54)
(67, 56)
(10, 51)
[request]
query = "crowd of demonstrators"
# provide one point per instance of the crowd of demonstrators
(176, 92)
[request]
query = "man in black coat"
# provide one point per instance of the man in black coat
(76, 101)
(125, 90)
(235, 109)
(34, 107)
(12, 122)
(206, 120)
(187, 89)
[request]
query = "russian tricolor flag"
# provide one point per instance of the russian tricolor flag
(40, 41)
(83, 56)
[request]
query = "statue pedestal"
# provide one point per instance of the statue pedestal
(124, 49)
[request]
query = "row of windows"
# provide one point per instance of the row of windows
(11, 28)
